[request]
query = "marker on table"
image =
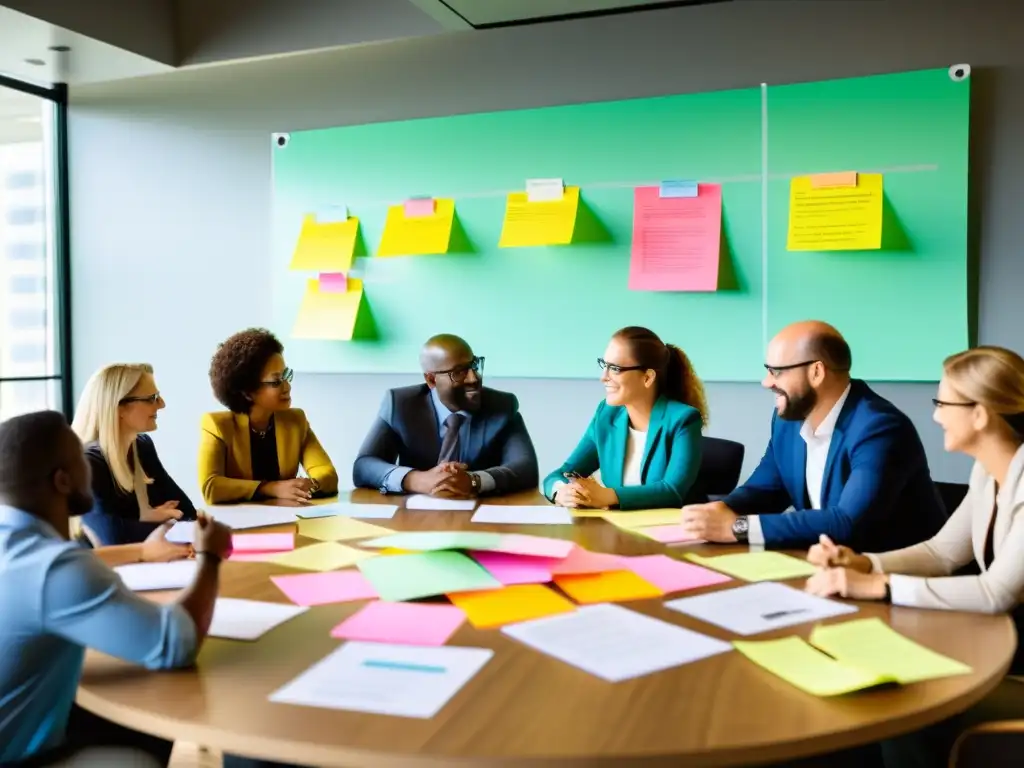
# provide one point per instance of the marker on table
(780, 614)
(403, 666)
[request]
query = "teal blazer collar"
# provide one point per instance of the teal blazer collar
(611, 473)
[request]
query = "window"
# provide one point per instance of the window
(34, 333)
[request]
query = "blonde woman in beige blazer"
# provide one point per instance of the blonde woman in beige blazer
(980, 407)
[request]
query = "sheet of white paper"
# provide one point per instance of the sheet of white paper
(759, 607)
(494, 513)
(249, 619)
(615, 643)
(385, 679)
(182, 532)
(365, 511)
(544, 190)
(242, 516)
(420, 501)
(142, 577)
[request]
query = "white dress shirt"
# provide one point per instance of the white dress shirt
(818, 442)
(632, 466)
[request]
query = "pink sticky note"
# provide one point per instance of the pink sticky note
(410, 623)
(419, 206)
(262, 542)
(667, 534)
(324, 588)
(676, 240)
(582, 560)
(672, 575)
(515, 569)
(540, 546)
(252, 557)
(333, 282)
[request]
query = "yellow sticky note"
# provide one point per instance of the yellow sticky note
(520, 602)
(643, 518)
(810, 670)
(340, 529)
(588, 512)
(539, 223)
(327, 247)
(394, 551)
(607, 587)
(326, 556)
(325, 315)
(835, 218)
(757, 566)
(872, 644)
(417, 235)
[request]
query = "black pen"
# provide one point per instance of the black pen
(572, 475)
(780, 614)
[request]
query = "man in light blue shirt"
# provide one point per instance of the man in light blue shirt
(57, 599)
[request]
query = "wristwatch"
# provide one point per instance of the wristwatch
(740, 528)
(474, 480)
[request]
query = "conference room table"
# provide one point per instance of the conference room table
(525, 708)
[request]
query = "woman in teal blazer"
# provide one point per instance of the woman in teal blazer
(646, 435)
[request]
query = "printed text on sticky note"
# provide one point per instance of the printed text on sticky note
(325, 247)
(546, 223)
(421, 234)
(835, 218)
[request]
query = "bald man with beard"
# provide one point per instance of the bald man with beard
(848, 462)
(450, 436)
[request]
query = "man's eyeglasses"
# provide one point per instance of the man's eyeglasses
(148, 399)
(613, 368)
(950, 404)
(775, 370)
(459, 373)
(286, 375)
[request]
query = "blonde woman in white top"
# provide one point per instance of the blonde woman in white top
(980, 407)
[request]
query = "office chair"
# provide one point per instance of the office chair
(720, 466)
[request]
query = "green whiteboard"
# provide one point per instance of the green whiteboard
(548, 312)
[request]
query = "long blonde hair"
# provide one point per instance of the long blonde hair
(992, 377)
(97, 418)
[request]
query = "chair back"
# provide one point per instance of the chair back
(720, 466)
(952, 494)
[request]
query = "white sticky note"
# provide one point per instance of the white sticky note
(544, 190)
(241, 516)
(421, 501)
(249, 619)
(538, 515)
(144, 577)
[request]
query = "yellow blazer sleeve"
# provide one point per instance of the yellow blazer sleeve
(217, 487)
(318, 464)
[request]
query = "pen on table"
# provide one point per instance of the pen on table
(780, 614)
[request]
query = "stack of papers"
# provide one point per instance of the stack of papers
(249, 619)
(548, 515)
(366, 511)
(757, 566)
(756, 608)
(425, 574)
(143, 577)
(614, 643)
(514, 569)
(385, 679)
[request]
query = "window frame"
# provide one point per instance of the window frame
(57, 94)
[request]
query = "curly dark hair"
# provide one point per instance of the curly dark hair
(237, 364)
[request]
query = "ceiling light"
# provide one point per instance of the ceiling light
(35, 62)
(60, 48)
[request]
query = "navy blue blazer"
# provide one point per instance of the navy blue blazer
(114, 518)
(877, 494)
(405, 433)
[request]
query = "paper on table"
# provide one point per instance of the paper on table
(872, 644)
(325, 588)
(544, 223)
(366, 511)
(249, 619)
(757, 566)
(340, 528)
(671, 575)
(425, 541)
(510, 605)
(581, 560)
(676, 240)
(330, 315)
(494, 513)
(666, 534)
(407, 623)
(325, 246)
(515, 569)
(755, 608)
(143, 577)
(642, 518)
(609, 587)
(614, 643)
(428, 233)
(810, 670)
(262, 542)
(835, 218)
(326, 556)
(242, 516)
(539, 546)
(422, 502)
(385, 679)
(182, 532)
(426, 574)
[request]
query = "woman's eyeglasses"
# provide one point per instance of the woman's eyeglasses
(149, 399)
(286, 375)
(604, 365)
(949, 404)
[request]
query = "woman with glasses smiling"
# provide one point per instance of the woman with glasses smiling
(132, 490)
(646, 435)
(255, 449)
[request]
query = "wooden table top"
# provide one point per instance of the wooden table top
(527, 709)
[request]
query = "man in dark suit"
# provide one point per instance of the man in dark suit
(849, 463)
(451, 436)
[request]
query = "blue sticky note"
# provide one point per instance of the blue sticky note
(678, 188)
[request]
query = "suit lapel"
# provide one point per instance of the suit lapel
(425, 428)
(653, 432)
(611, 471)
(477, 432)
(799, 489)
(240, 446)
(836, 443)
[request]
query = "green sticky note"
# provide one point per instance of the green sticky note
(425, 574)
(873, 644)
(757, 566)
(810, 670)
(426, 541)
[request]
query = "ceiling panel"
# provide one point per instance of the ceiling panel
(483, 13)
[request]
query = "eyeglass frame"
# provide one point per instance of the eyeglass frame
(148, 399)
(286, 377)
(950, 404)
(604, 365)
(476, 365)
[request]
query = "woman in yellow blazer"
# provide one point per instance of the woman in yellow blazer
(254, 449)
